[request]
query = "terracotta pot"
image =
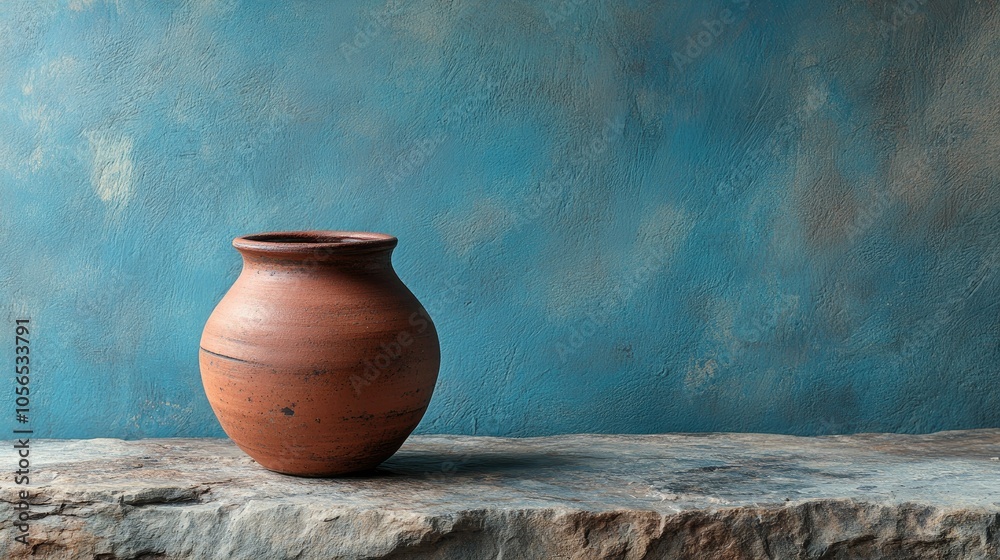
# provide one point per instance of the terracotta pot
(319, 361)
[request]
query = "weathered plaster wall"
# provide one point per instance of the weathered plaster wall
(625, 216)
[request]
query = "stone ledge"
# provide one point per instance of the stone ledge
(724, 496)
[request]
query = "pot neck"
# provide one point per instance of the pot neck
(311, 251)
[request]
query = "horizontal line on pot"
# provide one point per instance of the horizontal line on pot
(216, 354)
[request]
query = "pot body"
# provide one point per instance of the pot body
(318, 361)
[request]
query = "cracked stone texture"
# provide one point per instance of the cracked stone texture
(719, 496)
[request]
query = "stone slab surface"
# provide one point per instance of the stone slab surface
(713, 496)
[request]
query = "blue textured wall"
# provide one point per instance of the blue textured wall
(624, 216)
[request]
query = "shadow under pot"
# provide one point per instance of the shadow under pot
(319, 361)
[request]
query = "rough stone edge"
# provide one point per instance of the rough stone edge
(826, 529)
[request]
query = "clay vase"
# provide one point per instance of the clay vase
(318, 361)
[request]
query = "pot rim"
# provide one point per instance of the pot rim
(312, 241)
